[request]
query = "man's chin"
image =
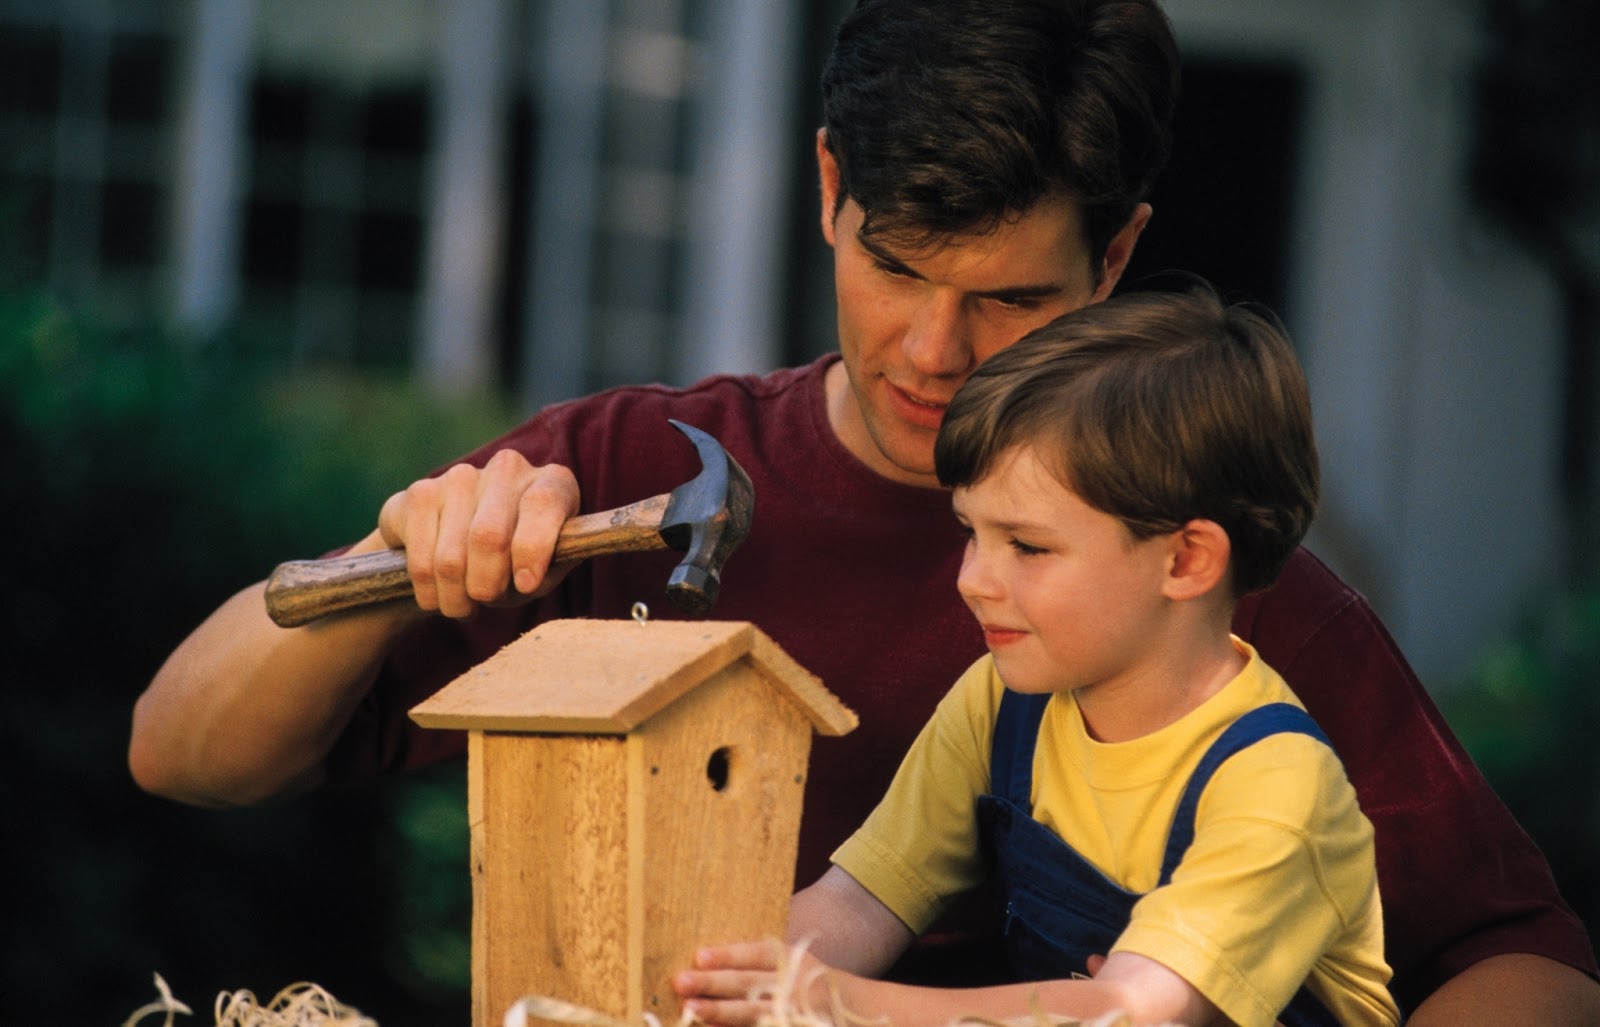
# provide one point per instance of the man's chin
(912, 462)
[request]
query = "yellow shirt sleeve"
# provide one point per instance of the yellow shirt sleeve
(919, 847)
(1276, 889)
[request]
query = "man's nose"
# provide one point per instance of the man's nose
(938, 342)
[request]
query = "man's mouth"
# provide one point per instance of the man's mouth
(916, 410)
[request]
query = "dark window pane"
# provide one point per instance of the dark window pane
(280, 110)
(136, 80)
(383, 332)
(390, 249)
(395, 120)
(25, 206)
(30, 70)
(1222, 205)
(129, 216)
(272, 242)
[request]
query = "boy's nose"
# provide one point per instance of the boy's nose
(976, 580)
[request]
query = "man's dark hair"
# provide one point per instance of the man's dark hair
(949, 116)
(1158, 409)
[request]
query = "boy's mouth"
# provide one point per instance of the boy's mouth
(996, 637)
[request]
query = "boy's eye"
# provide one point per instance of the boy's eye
(1025, 549)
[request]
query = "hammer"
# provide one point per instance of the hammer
(706, 517)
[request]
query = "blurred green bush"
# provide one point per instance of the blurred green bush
(1529, 713)
(144, 483)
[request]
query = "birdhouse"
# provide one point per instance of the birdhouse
(634, 792)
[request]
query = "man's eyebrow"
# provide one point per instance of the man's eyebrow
(1011, 292)
(885, 258)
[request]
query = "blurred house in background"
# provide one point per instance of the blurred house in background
(551, 196)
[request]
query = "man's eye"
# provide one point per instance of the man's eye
(1018, 303)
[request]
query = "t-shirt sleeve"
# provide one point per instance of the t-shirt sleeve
(1461, 879)
(919, 847)
(1280, 868)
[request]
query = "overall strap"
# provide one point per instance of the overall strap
(1259, 723)
(1016, 733)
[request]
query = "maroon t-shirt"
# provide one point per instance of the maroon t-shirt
(854, 576)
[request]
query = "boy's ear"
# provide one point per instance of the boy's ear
(1200, 557)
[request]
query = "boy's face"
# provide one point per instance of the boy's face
(914, 325)
(1066, 596)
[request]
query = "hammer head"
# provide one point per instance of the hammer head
(707, 517)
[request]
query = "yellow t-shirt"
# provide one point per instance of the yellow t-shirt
(1278, 888)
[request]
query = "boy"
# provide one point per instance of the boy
(1132, 777)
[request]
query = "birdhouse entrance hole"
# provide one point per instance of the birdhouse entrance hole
(717, 769)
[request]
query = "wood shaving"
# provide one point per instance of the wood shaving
(299, 1005)
(786, 1005)
(165, 1003)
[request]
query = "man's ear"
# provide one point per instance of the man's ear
(1120, 250)
(828, 171)
(1200, 557)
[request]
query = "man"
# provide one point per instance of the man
(983, 168)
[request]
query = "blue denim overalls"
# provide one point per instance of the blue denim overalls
(1059, 909)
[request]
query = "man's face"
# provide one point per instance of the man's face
(914, 325)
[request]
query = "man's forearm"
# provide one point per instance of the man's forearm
(245, 711)
(1513, 989)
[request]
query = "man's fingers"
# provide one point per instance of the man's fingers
(391, 521)
(544, 505)
(500, 487)
(458, 502)
(476, 536)
(410, 521)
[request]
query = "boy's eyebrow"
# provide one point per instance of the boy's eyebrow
(1007, 525)
(898, 266)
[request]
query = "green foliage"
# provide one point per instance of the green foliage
(144, 482)
(429, 946)
(1529, 714)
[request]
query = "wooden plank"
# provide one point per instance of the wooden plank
(722, 775)
(585, 676)
(828, 715)
(551, 908)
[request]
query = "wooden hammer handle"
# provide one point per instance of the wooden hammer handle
(301, 591)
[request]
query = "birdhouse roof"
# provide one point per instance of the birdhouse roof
(608, 677)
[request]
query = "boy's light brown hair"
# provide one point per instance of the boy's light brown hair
(1157, 408)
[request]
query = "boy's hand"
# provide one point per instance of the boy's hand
(732, 985)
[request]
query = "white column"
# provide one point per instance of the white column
(742, 176)
(210, 143)
(570, 70)
(464, 249)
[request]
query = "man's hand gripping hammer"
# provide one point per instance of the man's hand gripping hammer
(706, 517)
